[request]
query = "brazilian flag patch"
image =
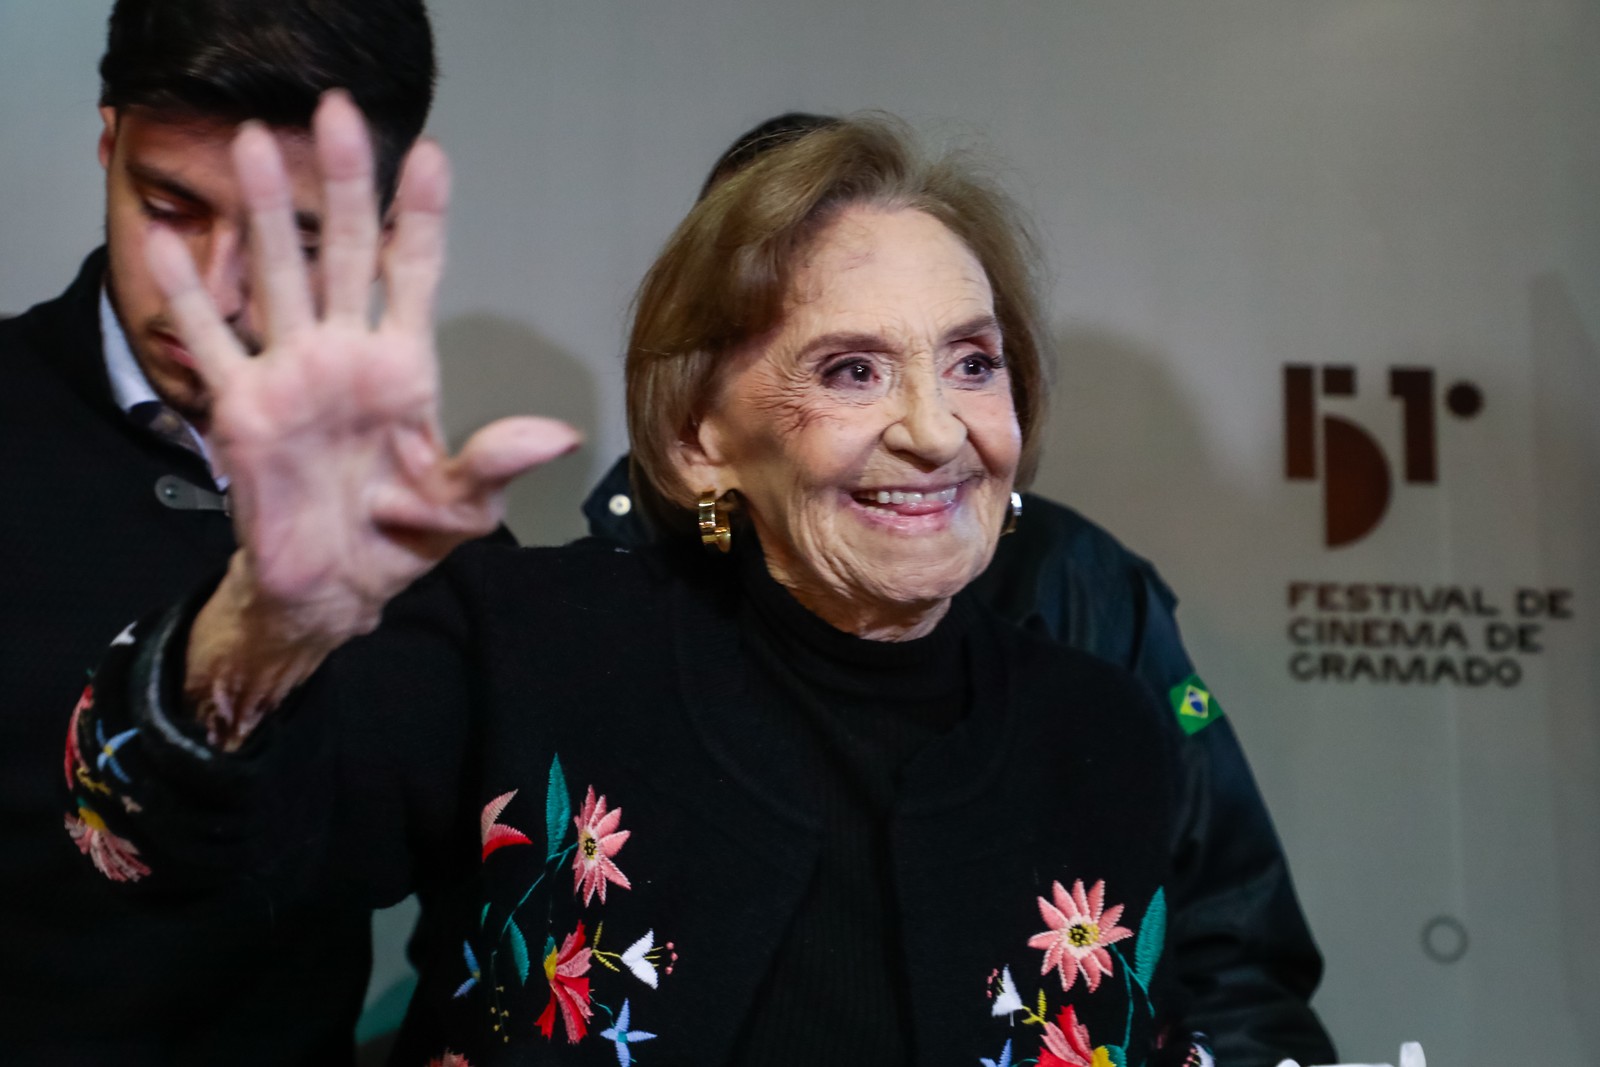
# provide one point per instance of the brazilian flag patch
(1194, 705)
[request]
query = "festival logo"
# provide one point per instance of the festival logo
(1355, 473)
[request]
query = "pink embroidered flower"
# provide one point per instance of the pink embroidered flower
(115, 858)
(496, 834)
(598, 840)
(449, 1059)
(73, 759)
(569, 990)
(1080, 928)
(1066, 1044)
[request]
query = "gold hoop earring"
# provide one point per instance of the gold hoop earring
(1013, 514)
(715, 533)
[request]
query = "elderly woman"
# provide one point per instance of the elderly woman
(782, 796)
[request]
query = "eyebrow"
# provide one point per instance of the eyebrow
(847, 341)
(307, 222)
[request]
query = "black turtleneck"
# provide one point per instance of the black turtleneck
(837, 990)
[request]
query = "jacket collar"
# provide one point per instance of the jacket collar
(67, 329)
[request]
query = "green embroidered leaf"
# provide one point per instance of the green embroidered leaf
(557, 810)
(483, 918)
(1152, 935)
(519, 950)
(1118, 1054)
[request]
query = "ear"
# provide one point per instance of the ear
(701, 457)
(108, 134)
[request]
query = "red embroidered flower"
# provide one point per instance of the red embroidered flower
(1067, 1044)
(74, 759)
(569, 990)
(496, 834)
(598, 840)
(449, 1059)
(1080, 928)
(115, 858)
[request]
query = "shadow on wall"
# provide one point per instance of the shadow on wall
(492, 367)
(1128, 447)
(1566, 366)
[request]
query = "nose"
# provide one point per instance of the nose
(224, 269)
(926, 427)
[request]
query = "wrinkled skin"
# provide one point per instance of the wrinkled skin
(343, 491)
(886, 375)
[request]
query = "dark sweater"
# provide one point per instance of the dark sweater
(872, 705)
(605, 824)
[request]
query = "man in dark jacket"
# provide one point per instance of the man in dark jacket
(112, 508)
(1241, 946)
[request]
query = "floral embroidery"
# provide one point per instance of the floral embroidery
(449, 1059)
(113, 856)
(588, 842)
(74, 759)
(640, 958)
(495, 834)
(569, 990)
(1084, 938)
(474, 972)
(1080, 929)
(598, 841)
(1007, 1000)
(1066, 1044)
(108, 750)
(621, 1036)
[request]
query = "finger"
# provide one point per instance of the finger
(215, 349)
(502, 450)
(414, 258)
(275, 256)
(350, 207)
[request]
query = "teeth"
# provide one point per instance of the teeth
(943, 496)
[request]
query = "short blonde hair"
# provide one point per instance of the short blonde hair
(724, 276)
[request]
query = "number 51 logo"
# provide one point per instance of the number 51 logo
(1355, 473)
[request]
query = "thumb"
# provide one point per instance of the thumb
(504, 449)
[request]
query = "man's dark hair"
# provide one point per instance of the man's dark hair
(762, 138)
(271, 60)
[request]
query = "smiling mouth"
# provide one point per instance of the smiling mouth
(898, 497)
(908, 503)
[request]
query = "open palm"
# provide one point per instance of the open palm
(343, 491)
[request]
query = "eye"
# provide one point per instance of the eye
(851, 372)
(977, 367)
(160, 210)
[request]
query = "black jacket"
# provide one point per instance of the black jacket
(608, 836)
(1241, 947)
(87, 545)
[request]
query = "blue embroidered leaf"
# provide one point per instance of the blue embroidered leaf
(1152, 935)
(519, 950)
(1118, 1054)
(557, 810)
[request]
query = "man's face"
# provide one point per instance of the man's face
(178, 175)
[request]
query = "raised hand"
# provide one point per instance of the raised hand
(343, 492)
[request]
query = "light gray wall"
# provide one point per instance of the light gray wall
(1223, 186)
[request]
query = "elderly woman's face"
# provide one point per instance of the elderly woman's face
(872, 434)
